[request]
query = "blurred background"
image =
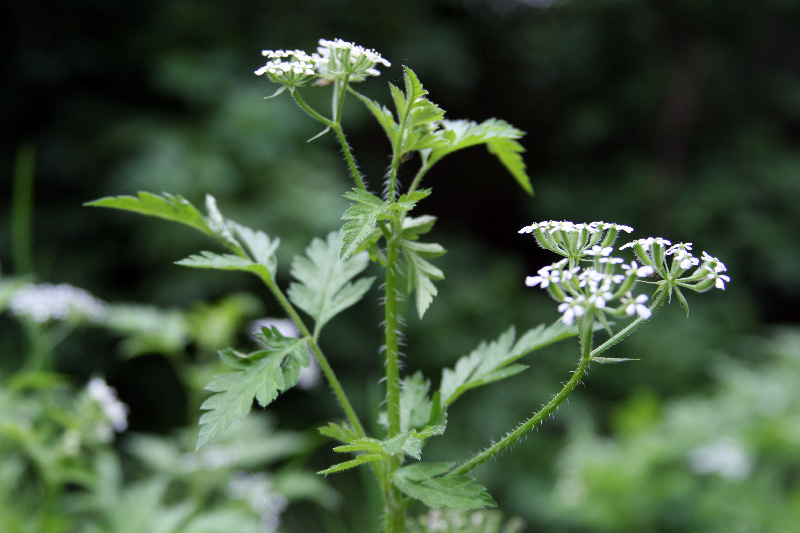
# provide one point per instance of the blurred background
(679, 118)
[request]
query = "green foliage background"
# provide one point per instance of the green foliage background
(681, 119)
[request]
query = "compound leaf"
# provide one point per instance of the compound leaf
(359, 460)
(261, 375)
(490, 362)
(421, 273)
(324, 289)
(169, 207)
(422, 481)
(361, 218)
(500, 139)
(227, 262)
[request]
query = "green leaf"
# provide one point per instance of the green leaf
(413, 227)
(611, 360)
(169, 207)
(341, 432)
(499, 136)
(383, 116)
(324, 289)
(359, 460)
(415, 406)
(406, 202)
(421, 273)
(361, 217)
(257, 244)
(261, 375)
(491, 362)
(420, 482)
(418, 117)
(228, 262)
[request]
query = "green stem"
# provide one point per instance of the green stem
(630, 328)
(336, 126)
(22, 209)
(394, 513)
(338, 390)
(531, 423)
(348, 155)
(585, 335)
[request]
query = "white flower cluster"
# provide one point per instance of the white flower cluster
(657, 252)
(345, 58)
(106, 397)
(573, 240)
(596, 288)
(333, 59)
(261, 496)
(290, 67)
(44, 302)
(606, 287)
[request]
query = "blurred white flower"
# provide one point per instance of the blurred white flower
(106, 397)
(261, 496)
(726, 458)
(44, 302)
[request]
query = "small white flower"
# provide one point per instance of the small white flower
(106, 397)
(599, 250)
(571, 309)
(641, 272)
(636, 305)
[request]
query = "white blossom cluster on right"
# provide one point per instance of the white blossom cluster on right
(591, 279)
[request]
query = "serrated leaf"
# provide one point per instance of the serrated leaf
(508, 152)
(420, 482)
(257, 244)
(499, 136)
(362, 217)
(406, 202)
(168, 207)
(341, 432)
(325, 288)
(261, 375)
(413, 227)
(421, 273)
(226, 262)
(415, 406)
(359, 460)
(383, 116)
(491, 362)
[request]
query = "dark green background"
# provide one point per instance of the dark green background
(680, 118)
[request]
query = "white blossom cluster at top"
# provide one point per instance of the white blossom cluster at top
(333, 58)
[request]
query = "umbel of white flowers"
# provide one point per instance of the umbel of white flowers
(591, 279)
(336, 59)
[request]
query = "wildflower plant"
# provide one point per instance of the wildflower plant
(595, 287)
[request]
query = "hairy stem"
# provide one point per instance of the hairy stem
(394, 512)
(585, 334)
(630, 328)
(336, 126)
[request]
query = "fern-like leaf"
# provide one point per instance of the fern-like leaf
(324, 289)
(422, 273)
(169, 207)
(228, 262)
(491, 362)
(424, 482)
(261, 375)
(361, 218)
